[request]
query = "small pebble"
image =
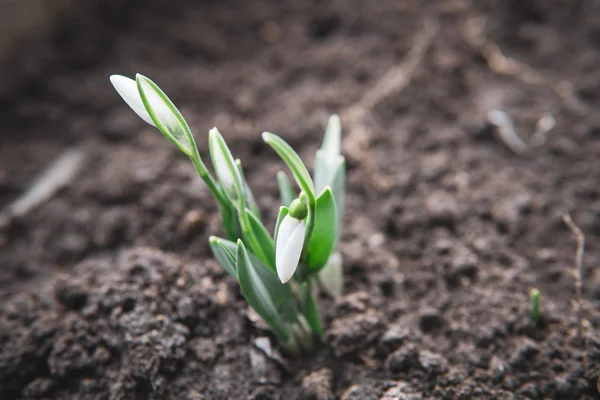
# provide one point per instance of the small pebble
(193, 221)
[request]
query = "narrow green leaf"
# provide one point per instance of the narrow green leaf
(332, 275)
(256, 294)
(322, 174)
(334, 176)
(230, 220)
(165, 115)
(286, 190)
(324, 235)
(223, 254)
(281, 294)
(294, 163)
(310, 309)
(326, 169)
(332, 142)
(263, 239)
(328, 156)
(250, 200)
(536, 312)
(283, 211)
(338, 187)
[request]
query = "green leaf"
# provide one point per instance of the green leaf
(332, 142)
(165, 115)
(326, 169)
(257, 294)
(283, 211)
(286, 190)
(310, 309)
(250, 201)
(322, 174)
(338, 187)
(223, 254)
(230, 220)
(334, 177)
(263, 239)
(332, 276)
(281, 294)
(294, 163)
(328, 157)
(324, 234)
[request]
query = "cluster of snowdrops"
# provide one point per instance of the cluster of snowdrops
(277, 274)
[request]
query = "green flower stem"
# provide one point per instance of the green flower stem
(310, 225)
(207, 178)
(302, 272)
(291, 345)
(240, 189)
(247, 232)
(225, 202)
(249, 198)
(302, 333)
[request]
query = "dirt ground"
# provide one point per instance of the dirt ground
(109, 289)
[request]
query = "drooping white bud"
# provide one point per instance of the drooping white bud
(290, 240)
(128, 90)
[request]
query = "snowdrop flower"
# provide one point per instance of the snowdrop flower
(307, 224)
(128, 90)
(152, 105)
(288, 247)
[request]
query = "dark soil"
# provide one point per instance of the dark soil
(109, 290)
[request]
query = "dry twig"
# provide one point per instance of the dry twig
(544, 125)
(578, 272)
(60, 173)
(506, 131)
(360, 117)
(497, 61)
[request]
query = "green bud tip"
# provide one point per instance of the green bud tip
(298, 209)
(303, 197)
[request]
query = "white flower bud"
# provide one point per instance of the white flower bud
(219, 160)
(128, 90)
(159, 106)
(290, 240)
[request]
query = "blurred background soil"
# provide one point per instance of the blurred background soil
(108, 288)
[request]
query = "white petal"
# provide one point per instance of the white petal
(288, 248)
(286, 227)
(128, 90)
(219, 163)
